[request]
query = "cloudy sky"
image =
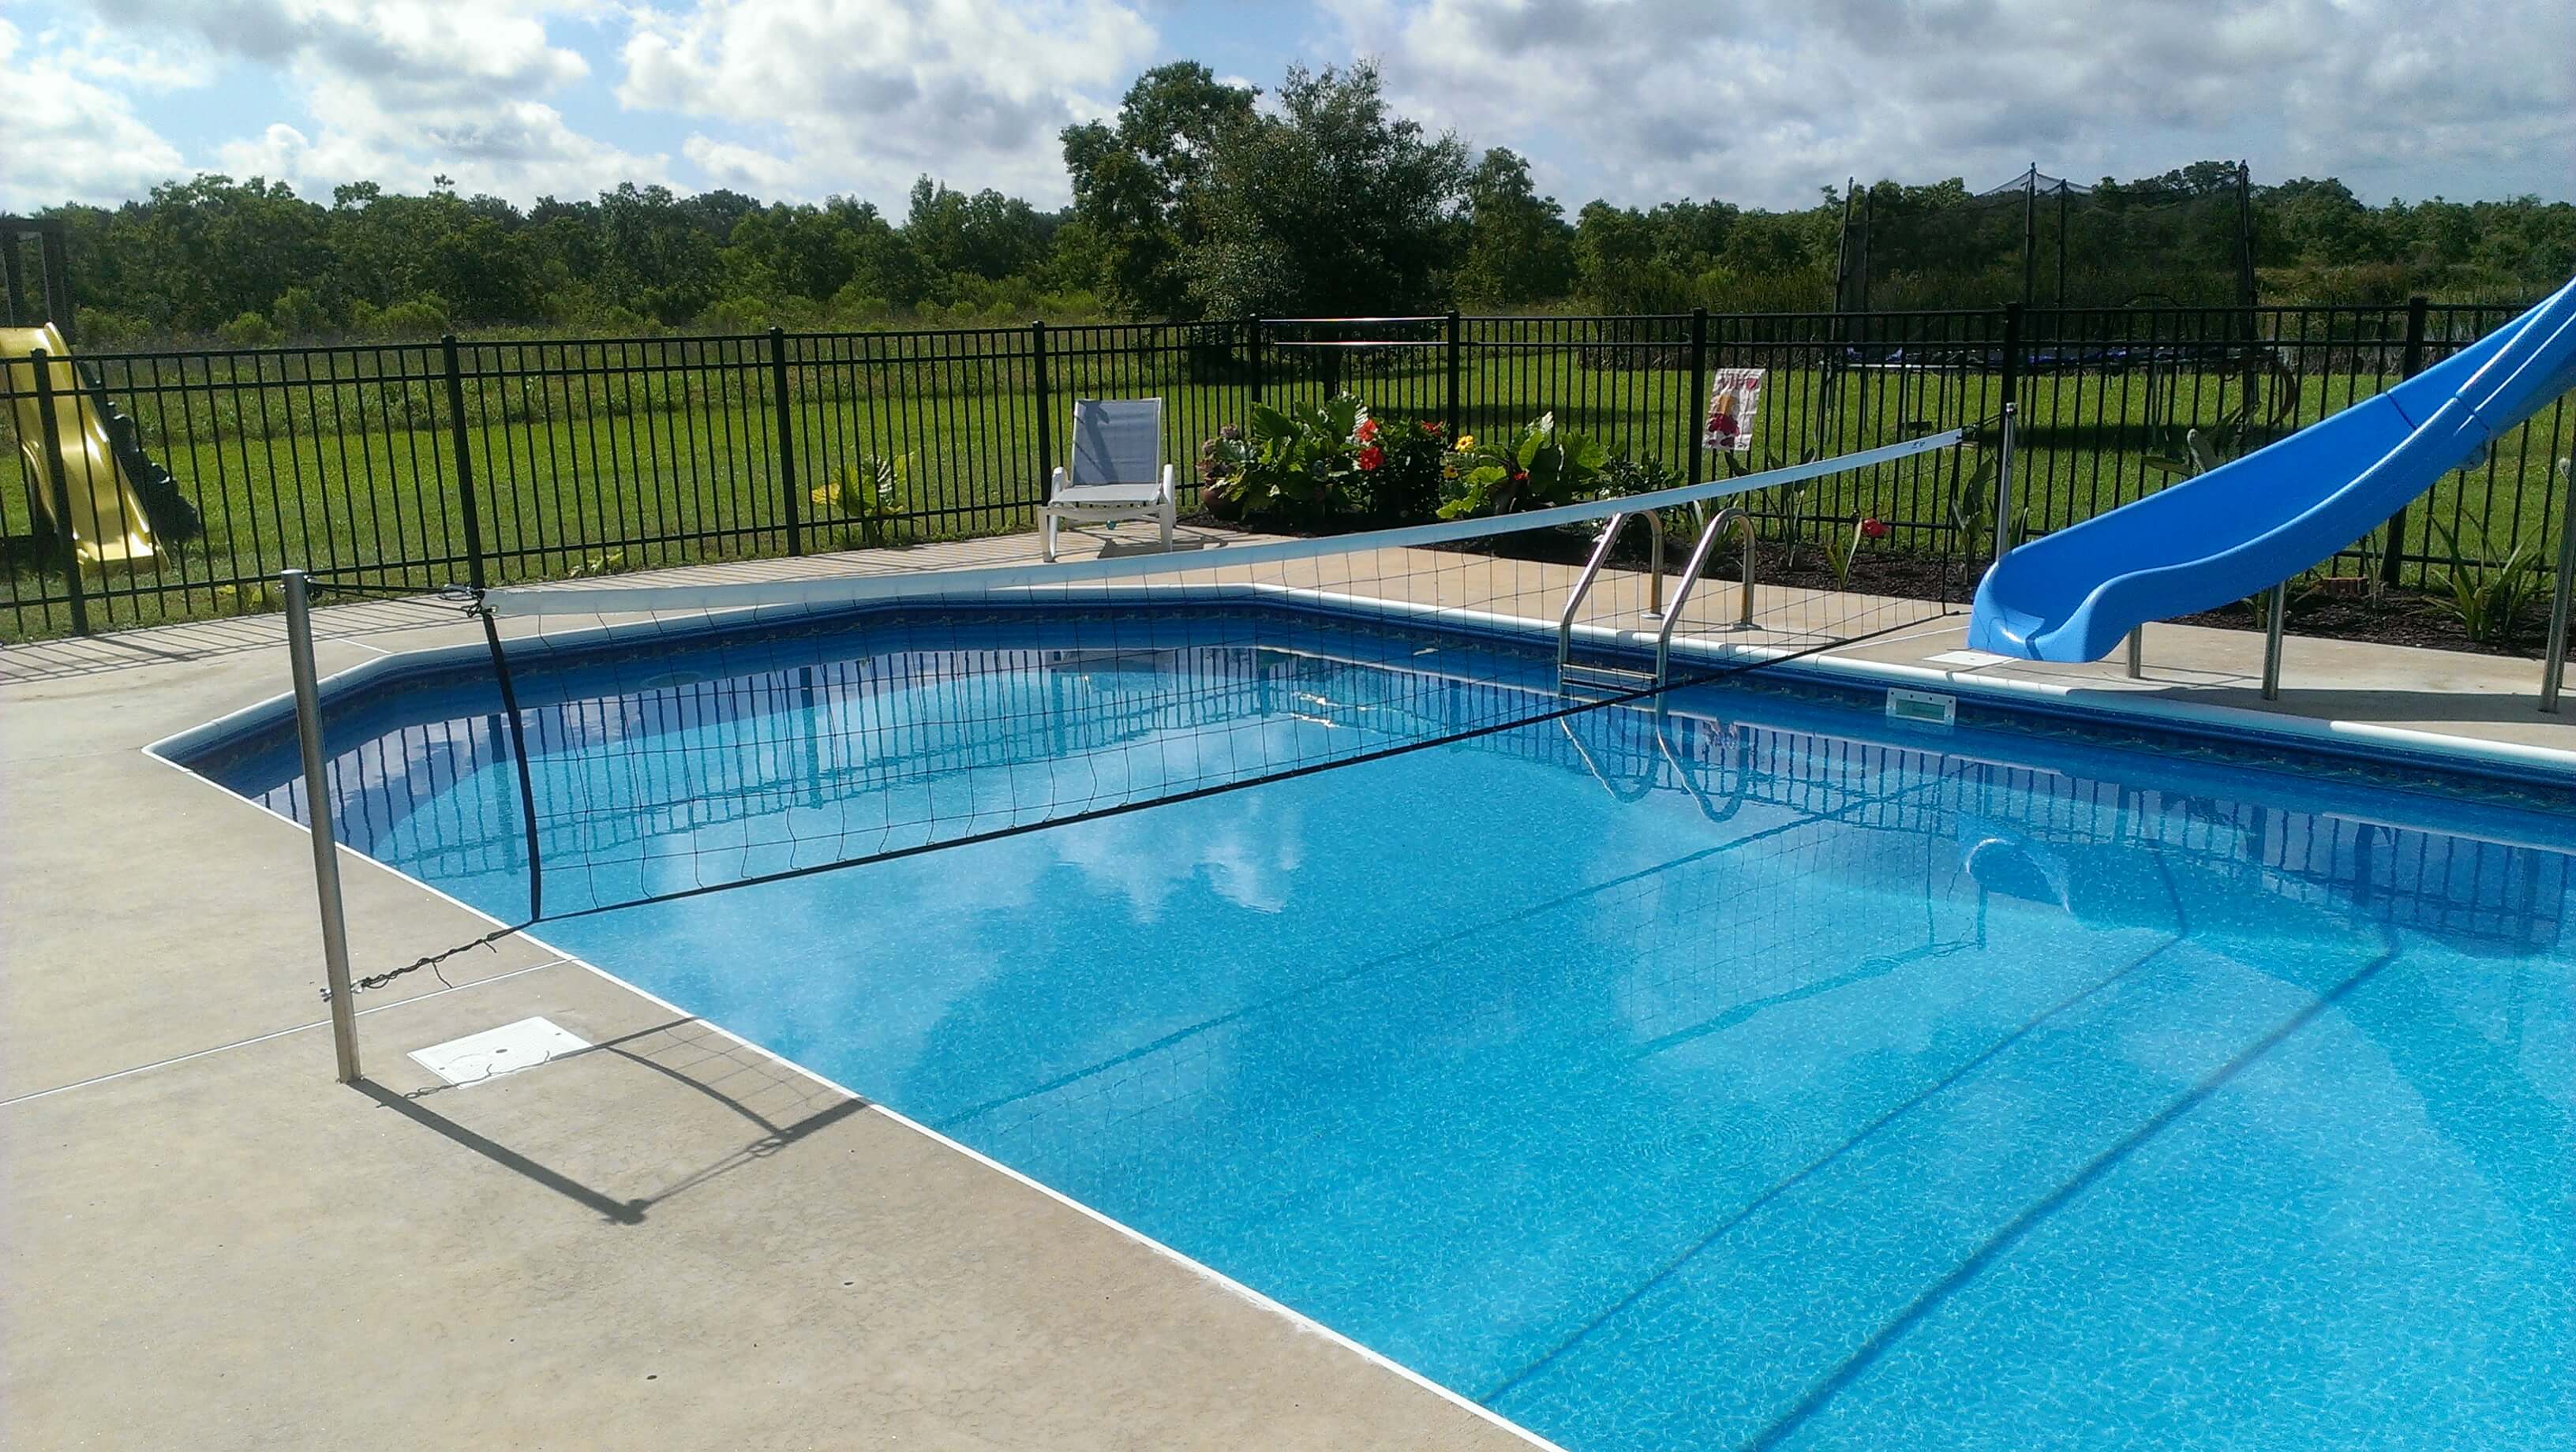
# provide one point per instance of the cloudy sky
(1636, 100)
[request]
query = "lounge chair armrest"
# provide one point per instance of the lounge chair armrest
(1055, 482)
(1167, 481)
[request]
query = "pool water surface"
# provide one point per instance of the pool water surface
(1755, 1072)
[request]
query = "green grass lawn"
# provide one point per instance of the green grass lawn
(595, 471)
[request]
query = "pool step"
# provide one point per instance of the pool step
(1609, 680)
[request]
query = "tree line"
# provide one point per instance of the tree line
(1193, 201)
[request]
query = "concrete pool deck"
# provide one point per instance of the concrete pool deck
(669, 1239)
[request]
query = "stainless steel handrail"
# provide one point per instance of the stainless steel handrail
(1717, 525)
(2276, 617)
(1592, 571)
(1682, 772)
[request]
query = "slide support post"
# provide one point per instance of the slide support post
(317, 810)
(2280, 608)
(2138, 653)
(2553, 665)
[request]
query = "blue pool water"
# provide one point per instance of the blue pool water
(1761, 1074)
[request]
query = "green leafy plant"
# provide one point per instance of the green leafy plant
(2485, 595)
(254, 598)
(1300, 461)
(1972, 503)
(1400, 464)
(1625, 474)
(870, 492)
(2299, 587)
(1842, 548)
(611, 563)
(1538, 468)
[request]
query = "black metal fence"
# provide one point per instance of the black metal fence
(488, 461)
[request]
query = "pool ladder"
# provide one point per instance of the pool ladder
(1572, 674)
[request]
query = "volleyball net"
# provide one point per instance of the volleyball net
(650, 741)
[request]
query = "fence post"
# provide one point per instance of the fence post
(58, 485)
(1046, 411)
(2004, 485)
(2005, 515)
(2012, 353)
(1252, 347)
(1450, 417)
(2410, 363)
(317, 812)
(465, 505)
(1698, 444)
(783, 416)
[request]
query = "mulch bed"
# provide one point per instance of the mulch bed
(2335, 610)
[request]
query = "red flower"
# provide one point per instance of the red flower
(1430, 428)
(1521, 478)
(1372, 456)
(1366, 431)
(1873, 529)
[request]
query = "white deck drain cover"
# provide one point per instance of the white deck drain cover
(494, 1052)
(1966, 658)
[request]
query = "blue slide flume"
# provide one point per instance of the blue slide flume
(2253, 522)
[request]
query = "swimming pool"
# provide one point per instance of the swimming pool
(1760, 1072)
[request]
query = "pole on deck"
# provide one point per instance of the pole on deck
(317, 811)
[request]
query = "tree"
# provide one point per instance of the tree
(1617, 266)
(1141, 188)
(1519, 249)
(1191, 201)
(655, 254)
(211, 249)
(1333, 206)
(987, 235)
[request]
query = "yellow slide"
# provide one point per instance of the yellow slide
(107, 524)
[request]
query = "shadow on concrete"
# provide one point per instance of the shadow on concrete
(70, 656)
(687, 1052)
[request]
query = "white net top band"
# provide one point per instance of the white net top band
(594, 599)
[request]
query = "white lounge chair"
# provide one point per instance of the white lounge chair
(1117, 471)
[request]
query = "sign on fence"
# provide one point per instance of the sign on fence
(1734, 397)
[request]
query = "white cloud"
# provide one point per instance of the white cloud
(1646, 99)
(72, 139)
(1637, 100)
(402, 90)
(869, 93)
(456, 49)
(744, 168)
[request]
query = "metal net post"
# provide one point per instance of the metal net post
(317, 812)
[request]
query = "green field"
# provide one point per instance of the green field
(593, 468)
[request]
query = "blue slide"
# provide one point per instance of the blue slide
(2253, 522)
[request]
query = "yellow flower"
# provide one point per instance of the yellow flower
(1466, 441)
